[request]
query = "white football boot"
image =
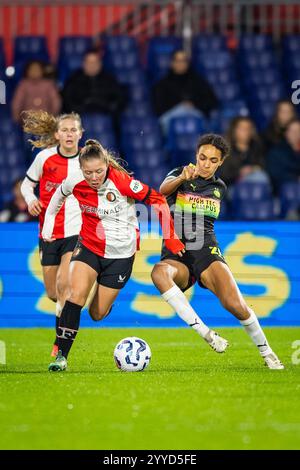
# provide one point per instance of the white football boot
(216, 342)
(272, 361)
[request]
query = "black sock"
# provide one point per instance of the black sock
(56, 329)
(68, 326)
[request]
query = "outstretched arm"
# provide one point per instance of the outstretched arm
(141, 192)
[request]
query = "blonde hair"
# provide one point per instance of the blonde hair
(93, 149)
(43, 126)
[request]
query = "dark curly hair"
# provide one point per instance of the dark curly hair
(217, 141)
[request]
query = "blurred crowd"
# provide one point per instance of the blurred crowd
(271, 156)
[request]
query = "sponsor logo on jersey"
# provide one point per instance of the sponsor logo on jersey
(217, 193)
(110, 196)
(193, 186)
(136, 186)
(100, 211)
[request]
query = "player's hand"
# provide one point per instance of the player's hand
(181, 253)
(188, 172)
(35, 207)
(48, 240)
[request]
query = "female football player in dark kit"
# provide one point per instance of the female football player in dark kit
(196, 195)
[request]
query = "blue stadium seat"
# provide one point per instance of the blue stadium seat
(265, 93)
(251, 191)
(71, 51)
(267, 77)
(107, 139)
(255, 42)
(119, 60)
(120, 43)
(258, 60)
(253, 201)
(208, 42)
(140, 126)
(220, 119)
(28, 48)
(148, 159)
(97, 123)
(159, 54)
(183, 131)
(289, 197)
(131, 77)
(291, 43)
(152, 178)
(138, 94)
(99, 126)
(220, 60)
(254, 210)
(132, 143)
(139, 110)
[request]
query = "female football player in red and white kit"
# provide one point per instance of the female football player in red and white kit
(58, 137)
(108, 239)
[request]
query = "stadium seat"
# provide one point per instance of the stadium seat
(208, 42)
(71, 51)
(121, 61)
(255, 42)
(219, 60)
(159, 54)
(254, 210)
(251, 191)
(120, 43)
(182, 129)
(99, 126)
(150, 160)
(183, 135)
(136, 142)
(220, 119)
(139, 110)
(97, 122)
(28, 48)
(131, 77)
(290, 58)
(152, 178)
(289, 198)
(139, 126)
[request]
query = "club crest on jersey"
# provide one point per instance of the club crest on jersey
(217, 193)
(110, 196)
(136, 186)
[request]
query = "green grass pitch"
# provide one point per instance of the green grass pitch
(189, 398)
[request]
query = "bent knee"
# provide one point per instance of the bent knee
(161, 269)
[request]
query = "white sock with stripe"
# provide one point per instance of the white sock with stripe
(256, 333)
(176, 298)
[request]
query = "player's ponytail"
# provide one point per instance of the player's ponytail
(93, 149)
(43, 126)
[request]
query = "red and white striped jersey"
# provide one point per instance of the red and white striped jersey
(49, 169)
(109, 223)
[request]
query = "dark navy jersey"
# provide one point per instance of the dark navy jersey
(195, 205)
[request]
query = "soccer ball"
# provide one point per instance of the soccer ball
(132, 354)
